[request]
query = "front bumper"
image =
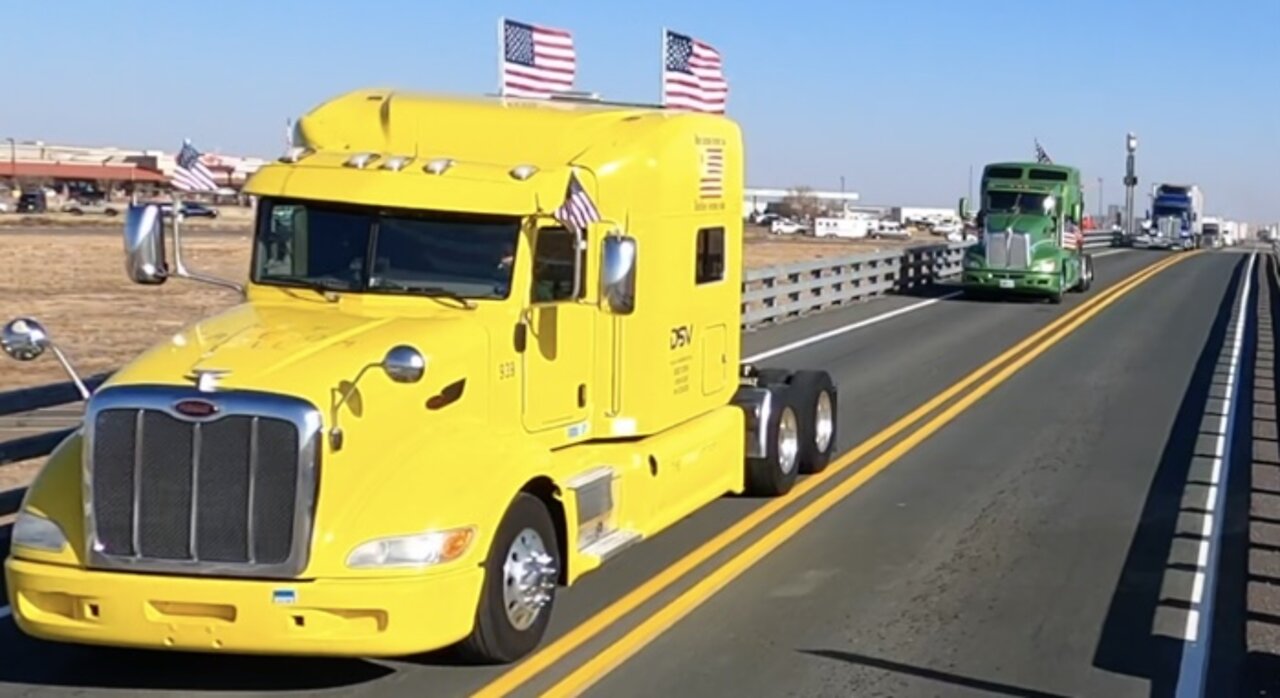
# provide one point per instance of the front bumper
(338, 617)
(1010, 281)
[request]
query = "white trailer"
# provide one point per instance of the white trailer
(843, 227)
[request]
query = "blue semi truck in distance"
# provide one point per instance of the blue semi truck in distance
(1175, 219)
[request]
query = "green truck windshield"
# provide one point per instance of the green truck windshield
(1015, 202)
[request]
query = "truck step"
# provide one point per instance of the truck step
(612, 544)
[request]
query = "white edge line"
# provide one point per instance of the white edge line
(5, 612)
(847, 328)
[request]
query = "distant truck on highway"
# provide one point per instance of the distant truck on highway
(1031, 241)
(1176, 217)
(485, 345)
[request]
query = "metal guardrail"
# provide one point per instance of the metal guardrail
(770, 295)
(778, 293)
(28, 447)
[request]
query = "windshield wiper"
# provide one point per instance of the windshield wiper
(324, 287)
(432, 291)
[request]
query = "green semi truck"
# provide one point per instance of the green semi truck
(1030, 241)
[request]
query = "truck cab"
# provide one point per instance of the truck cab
(1030, 238)
(483, 346)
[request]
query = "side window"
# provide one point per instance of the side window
(553, 254)
(710, 262)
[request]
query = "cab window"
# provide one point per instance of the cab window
(553, 256)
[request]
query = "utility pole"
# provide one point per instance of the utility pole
(841, 184)
(13, 163)
(1130, 181)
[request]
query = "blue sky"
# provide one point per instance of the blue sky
(899, 97)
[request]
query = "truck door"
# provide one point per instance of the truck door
(560, 334)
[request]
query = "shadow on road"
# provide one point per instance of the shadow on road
(1142, 632)
(954, 680)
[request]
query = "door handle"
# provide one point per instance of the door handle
(582, 395)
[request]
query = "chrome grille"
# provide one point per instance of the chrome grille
(1007, 250)
(231, 492)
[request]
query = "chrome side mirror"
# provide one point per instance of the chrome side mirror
(25, 339)
(618, 274)
(404, 364)
(144, 245)
(145, 253)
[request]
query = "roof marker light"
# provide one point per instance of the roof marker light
(397, 162)
(438, 165)
(296, 153)
(361, 160)
(523, 172)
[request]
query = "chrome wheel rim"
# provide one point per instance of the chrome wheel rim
(528, 578)
(823, 422)
(788, 440)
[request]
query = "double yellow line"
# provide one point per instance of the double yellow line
(595, 668)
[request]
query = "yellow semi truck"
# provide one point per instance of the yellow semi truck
(484, 345)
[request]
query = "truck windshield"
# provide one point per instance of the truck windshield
(1011, 201)
(363, 249)
(1165, 210)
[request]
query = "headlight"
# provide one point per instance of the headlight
(418, 550)
(972, 262)
(34, 531)
(1044, 265)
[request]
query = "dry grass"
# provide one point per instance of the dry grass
(74, 282)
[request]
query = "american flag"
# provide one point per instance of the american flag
(1072, 237)
(711, 174)
(577, 210)
(190, 174)
(1041, 156)
(692, 75)
(536, 61)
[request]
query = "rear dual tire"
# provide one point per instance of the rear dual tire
(800, 432)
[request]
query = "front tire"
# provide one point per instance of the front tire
(519, 586)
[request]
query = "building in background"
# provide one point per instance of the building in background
(88, 172)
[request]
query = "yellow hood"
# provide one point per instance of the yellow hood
(306, 351)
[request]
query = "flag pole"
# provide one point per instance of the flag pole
(502, 54)
(662, 69)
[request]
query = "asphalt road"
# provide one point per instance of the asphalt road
(1027, 545)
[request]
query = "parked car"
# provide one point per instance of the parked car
(33, 202)
(786, 226)
(79, 208)
(190, 209)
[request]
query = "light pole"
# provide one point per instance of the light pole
(1100, 201)
(13, 163)
(1130, 181)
